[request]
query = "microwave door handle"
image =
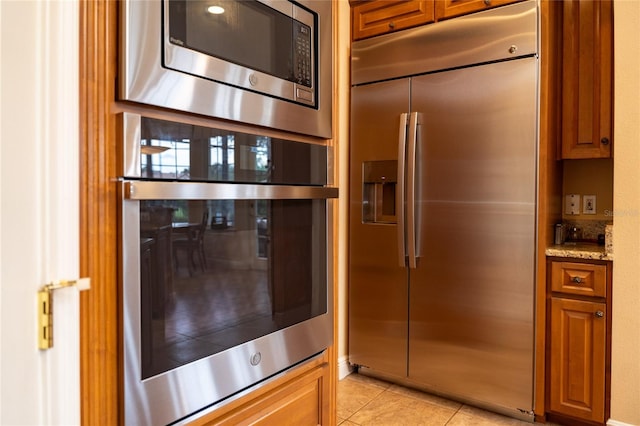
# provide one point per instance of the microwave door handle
(400, 193)
(154, 190)
(414, 122)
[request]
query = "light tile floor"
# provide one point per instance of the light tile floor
(366, 401)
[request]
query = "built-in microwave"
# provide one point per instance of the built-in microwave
(263, 62)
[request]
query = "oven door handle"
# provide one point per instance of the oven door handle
(154, 190)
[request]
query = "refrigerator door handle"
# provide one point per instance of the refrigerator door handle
(400, 193)
(414, 121)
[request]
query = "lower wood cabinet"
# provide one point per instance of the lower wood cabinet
(300, 398)
(578, 341)
(577, 367)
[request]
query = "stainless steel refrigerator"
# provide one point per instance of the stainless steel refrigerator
(443, 207)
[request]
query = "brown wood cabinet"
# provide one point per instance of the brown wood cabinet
(579, 348)
(384, 16)
(585, 279)
(376, 17)
(450, 8)
(300, 398)
(587, 51)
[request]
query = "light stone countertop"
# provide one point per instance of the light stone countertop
(579, 251)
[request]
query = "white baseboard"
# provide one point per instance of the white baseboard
(344, 368)
(611, 422)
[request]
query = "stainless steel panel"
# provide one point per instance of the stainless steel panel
(472, 295)
(378, 287)
(143, 79)
(501, 33)
(155, 190)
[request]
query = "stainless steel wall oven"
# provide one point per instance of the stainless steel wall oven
(264, 62)
(225, 263)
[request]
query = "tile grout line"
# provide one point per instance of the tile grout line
(371, 400)
(390, 389)
(450, 420)
(454, 414)
(368, 402)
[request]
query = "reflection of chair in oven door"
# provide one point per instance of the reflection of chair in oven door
(156, 232)
(189, 237)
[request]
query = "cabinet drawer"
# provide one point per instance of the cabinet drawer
(585, 279)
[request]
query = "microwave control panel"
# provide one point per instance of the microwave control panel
(302, 55)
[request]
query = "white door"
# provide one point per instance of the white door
(38, 209)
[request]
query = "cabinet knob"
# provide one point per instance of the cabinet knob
(392, 25)
(576, 280)
(487, 2)
(604, 141)
(599, 314)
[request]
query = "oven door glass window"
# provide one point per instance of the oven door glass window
(218, 273)
(178, 151)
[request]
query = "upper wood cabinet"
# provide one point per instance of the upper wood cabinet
(450, 8)
(587, 52)
(374, 18)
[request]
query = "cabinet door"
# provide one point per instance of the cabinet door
(577, 367)
(450, 8)
(586, 79)
(380, 17)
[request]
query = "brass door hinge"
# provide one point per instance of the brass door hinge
(45, 308)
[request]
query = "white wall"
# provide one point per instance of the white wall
(39, 211)
(625, 363)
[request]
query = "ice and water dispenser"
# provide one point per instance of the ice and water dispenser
(379, 191)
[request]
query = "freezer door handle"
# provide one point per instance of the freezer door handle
(400, 197)
(414, 122)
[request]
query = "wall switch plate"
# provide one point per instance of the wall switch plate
(589, 204)
(572, 204)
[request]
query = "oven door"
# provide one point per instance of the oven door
(212, 307)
